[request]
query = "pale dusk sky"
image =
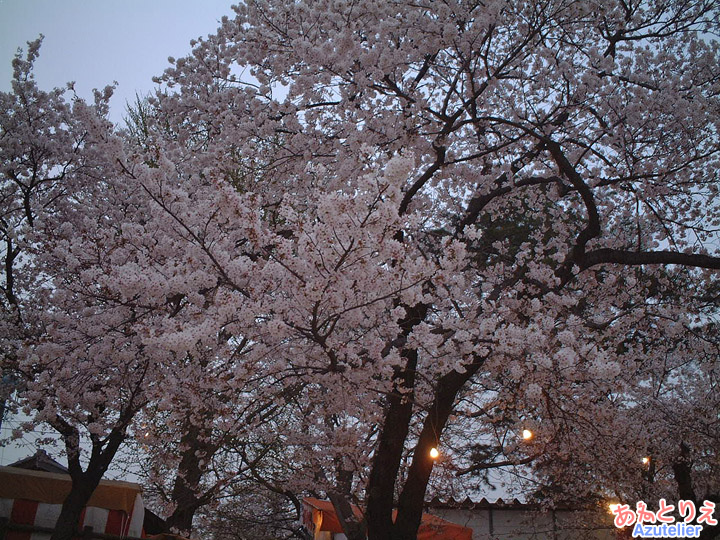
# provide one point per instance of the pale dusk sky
(96, 42)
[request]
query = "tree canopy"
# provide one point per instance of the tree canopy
(363, 230)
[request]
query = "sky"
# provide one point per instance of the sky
(97, 42)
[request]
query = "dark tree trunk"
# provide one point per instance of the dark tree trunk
(351, 526)
(67, 524)
(181, 519)
(354, 528)
(412, 497)
(102, 453)
(185, 493)
(386, 464)
(682, 470)
(84, 482)
(388, 456)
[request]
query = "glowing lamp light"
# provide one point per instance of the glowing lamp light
(527, 434)
(434, 453)
(612, 507)
(645, 460)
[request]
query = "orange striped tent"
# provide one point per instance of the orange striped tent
(35, 498)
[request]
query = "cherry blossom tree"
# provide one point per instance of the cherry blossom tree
(427, 224)
(35, 159)
(51, 156)
(68, 230)
(223, 447)
(467, 209)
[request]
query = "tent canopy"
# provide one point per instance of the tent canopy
(320, 516)
(52, 488)
(35, 498)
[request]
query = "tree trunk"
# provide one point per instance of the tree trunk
(352, 528)
(67, 524)
(83, 486)
(384, 472)
(412, 497)
(386, 463)
(185, 490)
(682, 469)
(85, 482)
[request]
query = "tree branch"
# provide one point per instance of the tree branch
(634, 258)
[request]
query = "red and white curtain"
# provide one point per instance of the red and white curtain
(26, 512)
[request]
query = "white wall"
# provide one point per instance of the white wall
(522, 524)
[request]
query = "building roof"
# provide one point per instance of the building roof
(498, 504)
(40, 461)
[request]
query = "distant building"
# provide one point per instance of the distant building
(40, 461)
(483, 520)
(514, 520)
